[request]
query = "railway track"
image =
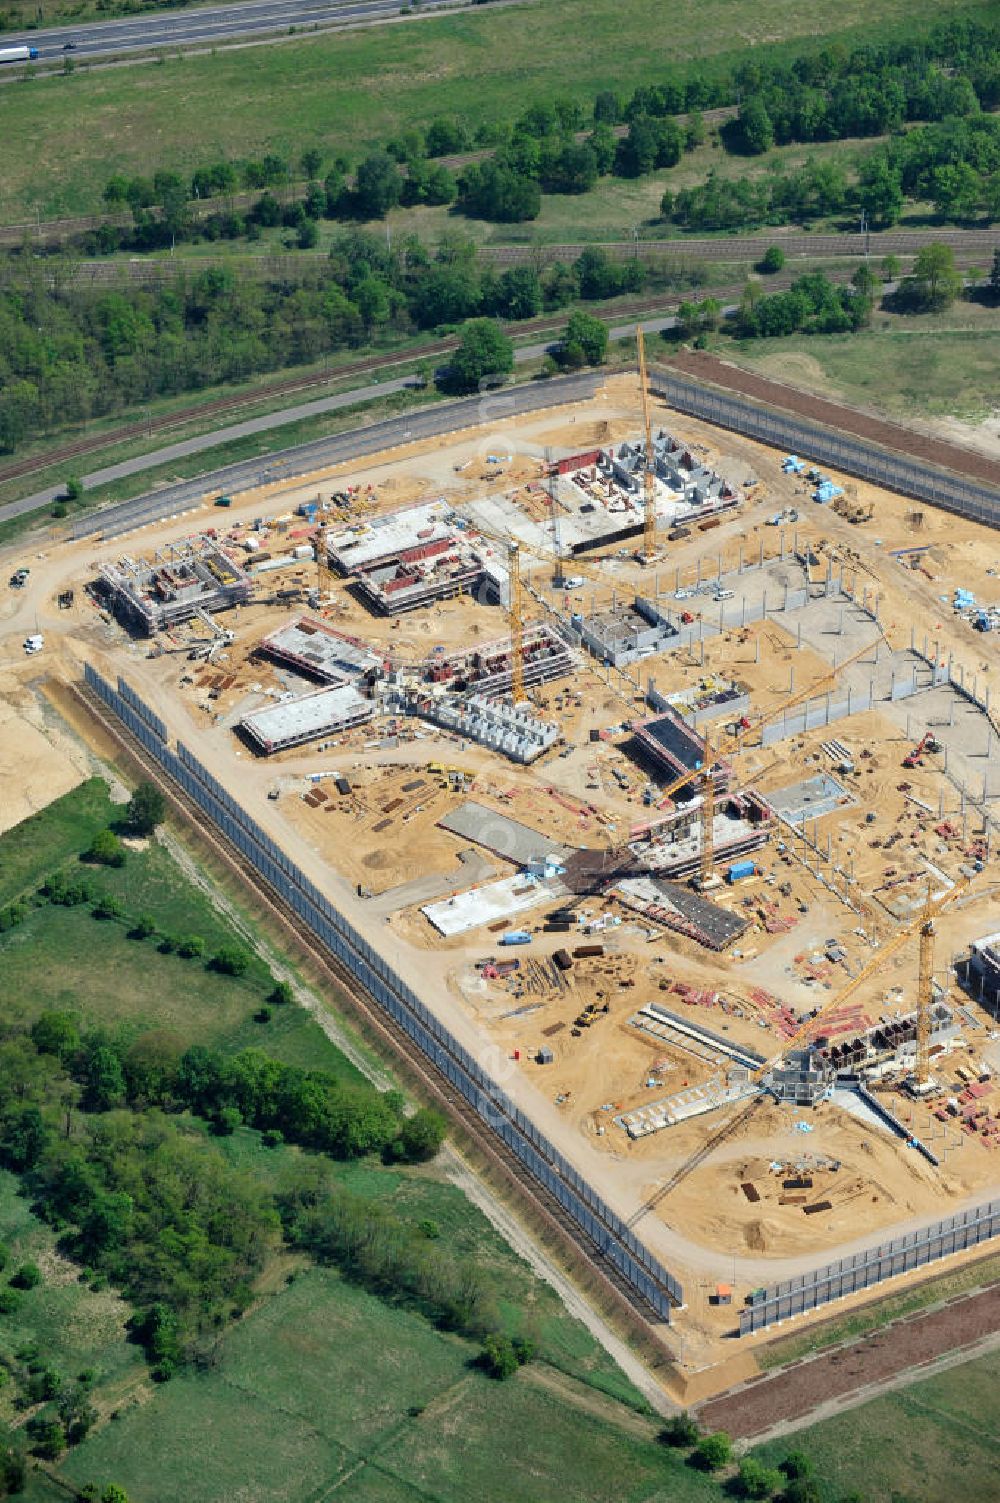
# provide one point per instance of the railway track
(614, 1288)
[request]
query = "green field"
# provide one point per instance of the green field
(942, 363)
(49, 960)
(350, 92)
(932, 1442)
(325, 1387)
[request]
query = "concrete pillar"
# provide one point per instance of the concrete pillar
(798, 635)
(892, 685)
(763, 613)
(781, 545)
(703, 651)
(791, 678)
(698, 580)
(756, 649)
(677, 577)
(871, 694)
(840, 624)
(951, 716)
(784, 602)
(850, 712)
(720, 564)
(913, 638)
(743, 606)
(740, 569)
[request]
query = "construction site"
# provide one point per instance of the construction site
(677, 792)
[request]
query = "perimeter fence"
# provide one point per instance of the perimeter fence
(782, 430)
(603, 1227)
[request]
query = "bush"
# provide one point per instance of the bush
(772, 260)
(143, 928)
(230, 961)
(190, 946)
(28, 1276)
(9, 1301)
(281, 994)
(796, 1464)
(105, 849)
(4, 1255)
(108, 907)
(420, 1136)
(498, 1357)
(262, 1015)
(758, 1480)
(712, 1452)
(273, 1138)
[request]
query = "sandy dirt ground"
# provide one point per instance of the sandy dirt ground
(707, 1228)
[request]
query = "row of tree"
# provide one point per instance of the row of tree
(69, 353)
(948, 74)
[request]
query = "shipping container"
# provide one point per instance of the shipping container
(515, 937)
(739, 870)
(563, 960)
(583, 952)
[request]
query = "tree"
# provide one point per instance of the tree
(48, 1436)
(796, 1464)
(308, 235)
(484, 351)
(56, 1033)
(104, 1080)
(146, 809)
(889, 266)
(995, 276)
(281, 994)
(73, 489)
(191, 946)
(378, 187)
(420, 1136)
(880, 190)
(312, 161)
(936, 281)
(712, 1452)
(590, 334)
(680, 1430)
(758, 1480)
(144, 927)
(498, 1357)
(755, 128)
(106, 849)
(772, 260)
(114, 1494)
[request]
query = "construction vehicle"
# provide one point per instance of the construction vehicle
(928, 744)
(223, 501)
(924, 923)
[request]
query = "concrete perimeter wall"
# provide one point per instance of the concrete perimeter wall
(613, 1240)
(837, 1280)
(782, 430)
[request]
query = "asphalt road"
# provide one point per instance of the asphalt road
(427, 422)
(269, 467)
(199, 27)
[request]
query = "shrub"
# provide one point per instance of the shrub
(281, 994)
(498, 1357)
(28, 1276)
(190, 946)
(680, 1430)
(9, 1301)
(712, 1452)
(772, 260)
(105, 849)
(758, 1480)
(262, 1015)
(143, 928)
(230, 961)
(108, 907)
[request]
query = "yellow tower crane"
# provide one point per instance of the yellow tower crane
(516, 616)
(322, 560)
(649, 480)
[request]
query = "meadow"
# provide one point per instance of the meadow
(350, 92)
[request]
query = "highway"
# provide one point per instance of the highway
(193, 28)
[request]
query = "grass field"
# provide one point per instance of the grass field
(49, 960)
(942, 364)
(929, 1443)
(350, 92)
(325, 1387)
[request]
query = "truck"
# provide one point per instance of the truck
(18, 54)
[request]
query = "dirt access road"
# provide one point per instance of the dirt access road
(817, 1386)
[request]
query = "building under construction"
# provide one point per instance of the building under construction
(326, 712)
(181, 580)
(510, 732)
(675, 748)
(312, 647)
(486, 670)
